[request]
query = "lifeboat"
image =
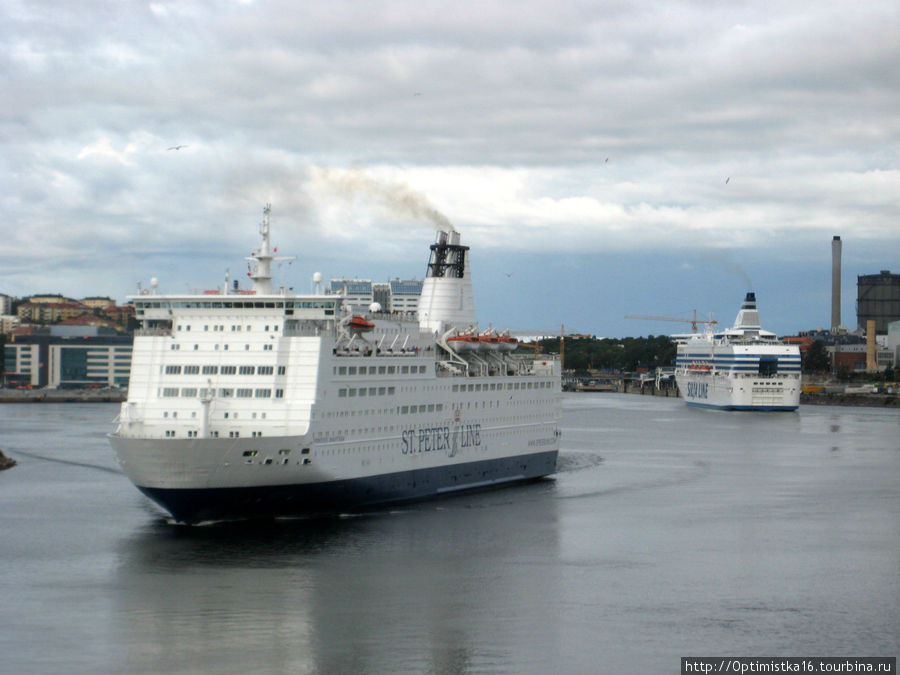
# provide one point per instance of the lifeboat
(507, 343)
(489, 342)
(463, 343)
(360, 324)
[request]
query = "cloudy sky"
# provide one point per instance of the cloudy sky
(600, 158)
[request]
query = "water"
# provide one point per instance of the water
(668, 532)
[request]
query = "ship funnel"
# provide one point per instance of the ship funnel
(447, 299)
(748, 317)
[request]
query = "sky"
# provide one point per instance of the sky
(601, 159)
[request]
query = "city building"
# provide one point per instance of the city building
(67, 357)
(405, 294)
(878, 299)
(6, 303)
(98, 302)
(358, 292)
(49, 312)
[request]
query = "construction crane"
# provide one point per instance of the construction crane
(561, 333)
(693, 321)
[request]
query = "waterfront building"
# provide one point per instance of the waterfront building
(68, 357)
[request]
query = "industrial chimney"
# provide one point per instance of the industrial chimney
(835, 283)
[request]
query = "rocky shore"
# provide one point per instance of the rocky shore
(62, 395)
(6, 462)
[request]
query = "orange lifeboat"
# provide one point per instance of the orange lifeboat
(358, 323)
(489, 342)
(507, 343)
(463, 343)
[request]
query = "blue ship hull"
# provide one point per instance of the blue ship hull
(193, 506)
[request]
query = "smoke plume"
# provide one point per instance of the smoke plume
(351, 184)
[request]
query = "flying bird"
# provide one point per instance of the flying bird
(177, 147)
(727, 179)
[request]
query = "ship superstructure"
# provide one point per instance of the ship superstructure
(741, 368)
(264, 403)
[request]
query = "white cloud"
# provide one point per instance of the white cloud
(558, 128)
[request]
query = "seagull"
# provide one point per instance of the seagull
(509, 274)
(606, 160)
(177, 147)
(727, 179)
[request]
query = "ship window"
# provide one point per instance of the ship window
(362, 391)
(342, 393)
(246, 370)
(226, 393)
(250, 453)
(768, 366)
(189, 392)
(173, 370)
(372, 370)
(404, 409)
(279, 393)
(405, 370)
(170, 391)
(245, 393)
(191, 370)
(390, 391)
(392, 370)
(263, 393)
(264, 370)
(281, 370)
(371, 391)
(352, 370)
(228, 370)
(381, 370)
(381, 391)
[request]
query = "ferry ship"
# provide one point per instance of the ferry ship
(742, 368)
(263, 403)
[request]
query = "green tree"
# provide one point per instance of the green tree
(816, 359)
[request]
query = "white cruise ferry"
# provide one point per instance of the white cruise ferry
(743, 368)
(262, 403)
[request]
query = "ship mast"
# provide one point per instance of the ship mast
(261, 273)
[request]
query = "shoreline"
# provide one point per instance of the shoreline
(118, 396)
(62, 396)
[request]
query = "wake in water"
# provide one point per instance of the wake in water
(87, 465)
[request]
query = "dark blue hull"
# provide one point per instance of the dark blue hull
(198, 505)
(759, 408)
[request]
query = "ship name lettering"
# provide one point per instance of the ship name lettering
(698, 389)
(439, 439)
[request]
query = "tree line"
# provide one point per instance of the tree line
(616, 354)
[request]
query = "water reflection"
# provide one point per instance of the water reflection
(408, 590)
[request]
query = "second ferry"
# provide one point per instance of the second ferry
(741, 368)
(263, 403)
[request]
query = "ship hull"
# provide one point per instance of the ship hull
(195, 505)
(735, 392)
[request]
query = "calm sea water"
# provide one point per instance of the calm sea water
(667, 532)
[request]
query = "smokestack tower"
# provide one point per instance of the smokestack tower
(835, 283)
